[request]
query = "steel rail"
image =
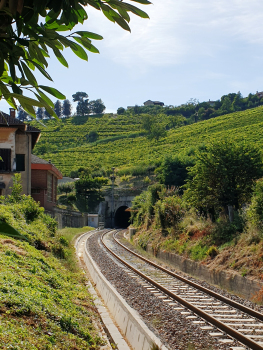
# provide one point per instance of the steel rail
(230, 331)
(220, 297)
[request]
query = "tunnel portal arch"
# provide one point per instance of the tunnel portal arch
(122, 217)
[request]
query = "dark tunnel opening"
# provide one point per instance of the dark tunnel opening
(122, 217)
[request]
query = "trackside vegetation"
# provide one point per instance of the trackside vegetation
(215, 216)
(44, 303)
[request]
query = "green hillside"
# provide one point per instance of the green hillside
(122, 142)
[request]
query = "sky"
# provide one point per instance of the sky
(187, 49)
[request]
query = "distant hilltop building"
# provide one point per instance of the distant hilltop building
(259, 94)
(212, 103)
(153, 103)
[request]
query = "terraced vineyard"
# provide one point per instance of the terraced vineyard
(122, 143)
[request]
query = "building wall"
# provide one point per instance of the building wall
(19, 143)
(39, 197)
(7, 140)
(39, 178)
(39, 181)
(23, 146)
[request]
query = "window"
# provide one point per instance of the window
(20, 162)
(49, 187)
(5, 163)
(35, 191)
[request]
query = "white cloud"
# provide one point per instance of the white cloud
(179, 29)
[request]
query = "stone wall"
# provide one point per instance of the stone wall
(69, 218)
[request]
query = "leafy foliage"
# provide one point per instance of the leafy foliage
(122, 142)
(173, 170)
(88, 192)
(224, 175)
(255, 210)
(25, 42)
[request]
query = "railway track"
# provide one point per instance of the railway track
(202, 306)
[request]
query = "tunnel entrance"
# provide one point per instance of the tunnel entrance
(122, 217)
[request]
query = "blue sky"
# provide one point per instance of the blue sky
(188, 49)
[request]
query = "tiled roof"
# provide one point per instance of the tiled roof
(37, 160)
(32, 129)
(7, 120)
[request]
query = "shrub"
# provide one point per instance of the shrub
(255, 210)
(63, 241)
(212, 252)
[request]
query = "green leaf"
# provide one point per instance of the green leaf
(89, 35)
(28, 108)
(144, 2)
(2, 64)
(7, 95)
(38, 54)
(45, 98)
(52, 91)
(79, 51)
(136, 11)
(60, 57)
(42, 70)
(12, 70)
(29, 74)
(16, 89)
(52, 16)
(122, 24)
(25, 99)
(93, 4)
(124, 14)
(86, 43)
(47, 107)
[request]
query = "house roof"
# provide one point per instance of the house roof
(36, 160)
(42, 164)
(8, 121)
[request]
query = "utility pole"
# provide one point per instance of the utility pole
(112, 196)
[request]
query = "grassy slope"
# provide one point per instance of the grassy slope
(44, 303)
(71, 150)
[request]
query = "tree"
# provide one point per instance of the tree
(88, 191)
(92, 136)
(67, 108)
(226, 105)
(157, 131)
(147, 122)
(120, 110)
(153, 128)
(25, 42)
(58, 109)
(173, 171)
(97, 106)
(83, 107)
(40, 113)
(22, 115)
(224, 175)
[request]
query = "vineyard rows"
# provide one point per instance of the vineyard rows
(70, 150)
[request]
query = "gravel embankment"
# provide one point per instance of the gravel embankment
(223, 292)
(174, 330)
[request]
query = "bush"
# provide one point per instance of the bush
(212, 252)
(224, 231)
(255, 210)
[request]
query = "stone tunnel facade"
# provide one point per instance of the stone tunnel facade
(115, 214)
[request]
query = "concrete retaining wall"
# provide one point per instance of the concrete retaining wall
(69, 218)
(242, 286)
(128, 320)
